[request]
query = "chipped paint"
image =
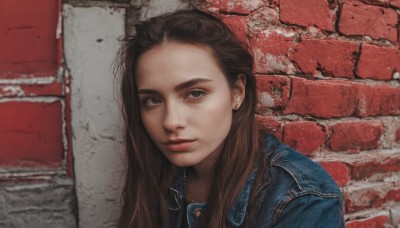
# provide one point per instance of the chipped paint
(18, 173)
(59, 26)
(267, 100)
(276, 63)
(32, 99)
(248, 5)
(396, 75)
(27, 187)
(11, 91)
(41, 80)
(31, 90)
(283, 32)
(64, 129)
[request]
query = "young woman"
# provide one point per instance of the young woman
(195, 158)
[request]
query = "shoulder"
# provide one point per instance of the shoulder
(296, 170)
(297, 187)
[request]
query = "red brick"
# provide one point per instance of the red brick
(362, 170)
(397, 137)
(273, 91)
(269, 125)
(395, 3)
(54, 89)
(331, 57)
(31, 133)
(276, 42)
(345, 99)
(362, 198)
(32, 45)
(310, 98)
(338, 170)
(374, 222)
(273, 3)
(386, 3)
(308, 13)
(231, 6)
(306, 137)
(393, 195)
(239, 26)
(270, 50)
(357, 18)
(377, 100)
(372, 196)
(265, 17)
(378, 62)
(356, 136)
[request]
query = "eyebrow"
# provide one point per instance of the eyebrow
(178, 87)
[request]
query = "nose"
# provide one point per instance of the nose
(173, 117)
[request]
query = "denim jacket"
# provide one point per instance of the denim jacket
(299, 194)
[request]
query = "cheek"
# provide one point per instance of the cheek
(150, 124)
(216, 113)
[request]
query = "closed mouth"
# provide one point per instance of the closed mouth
(177, 141)
(179, 144)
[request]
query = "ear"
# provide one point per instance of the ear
(238, 91)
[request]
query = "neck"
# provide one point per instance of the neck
(204, 171)
(198, 183)
(201, 174)
(199, 178)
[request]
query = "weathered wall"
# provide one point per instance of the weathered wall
(91, 30)
(36, 184)
(90, 39)
(328, 80)
(38, 199)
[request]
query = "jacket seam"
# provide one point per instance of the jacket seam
(283, 203)
(290, 172)
(176, 200)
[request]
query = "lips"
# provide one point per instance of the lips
(179, 145)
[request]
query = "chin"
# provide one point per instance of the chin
(182, 162)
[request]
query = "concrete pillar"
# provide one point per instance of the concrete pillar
(90, 39)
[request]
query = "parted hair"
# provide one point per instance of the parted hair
(149, 174)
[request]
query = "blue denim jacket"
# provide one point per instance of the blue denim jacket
(299, 194)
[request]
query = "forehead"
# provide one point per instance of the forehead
(174, 62)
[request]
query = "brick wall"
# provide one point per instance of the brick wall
(328, 82)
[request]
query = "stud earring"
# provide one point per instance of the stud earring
(236, 107)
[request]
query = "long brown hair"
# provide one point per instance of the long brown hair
(149, 173)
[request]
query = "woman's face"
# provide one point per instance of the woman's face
(185, 102)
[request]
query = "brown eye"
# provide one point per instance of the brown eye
(151, 101)
(195, 94)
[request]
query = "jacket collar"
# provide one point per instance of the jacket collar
(236, 214)
(238, 211)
